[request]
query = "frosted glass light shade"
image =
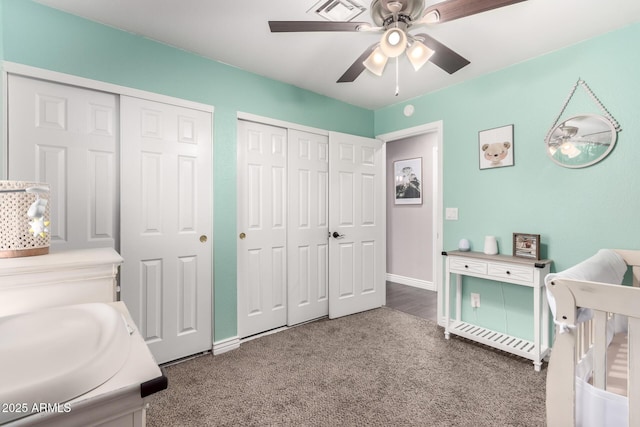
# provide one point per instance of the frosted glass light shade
(376, 61)
(394, 42)
(419, 54)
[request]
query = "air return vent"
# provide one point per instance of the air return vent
(337, 10)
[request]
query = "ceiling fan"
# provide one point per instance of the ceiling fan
(394, 18)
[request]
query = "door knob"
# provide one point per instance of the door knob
(203, 238)
(337, 235)
(242, 236)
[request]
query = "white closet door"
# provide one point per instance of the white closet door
(357, 216)
(166, 231)
(308, 227)
(262, 228)
(67, 137)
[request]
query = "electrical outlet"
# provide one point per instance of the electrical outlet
(475, 300)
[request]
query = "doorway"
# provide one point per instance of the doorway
(414, 231)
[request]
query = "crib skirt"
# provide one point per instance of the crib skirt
(600, 408)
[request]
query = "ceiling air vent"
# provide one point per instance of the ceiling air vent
(337, 10)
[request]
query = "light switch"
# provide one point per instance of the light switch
(451, 214)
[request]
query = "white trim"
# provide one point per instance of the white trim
(280, 123)
(410, 281)
(70, 79)
(413, 131)
(225, 345)
(438, 204)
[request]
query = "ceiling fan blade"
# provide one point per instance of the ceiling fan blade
(302, 26)
(443, 57)
(454, 9)
(357, 67)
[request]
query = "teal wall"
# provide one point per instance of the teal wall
(38, 36)
(576, 211)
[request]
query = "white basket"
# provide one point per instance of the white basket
(16, 239)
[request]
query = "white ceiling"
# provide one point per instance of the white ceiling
(236, 33)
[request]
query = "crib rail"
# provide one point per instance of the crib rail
(575, 342)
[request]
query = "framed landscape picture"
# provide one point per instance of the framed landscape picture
(407, 176)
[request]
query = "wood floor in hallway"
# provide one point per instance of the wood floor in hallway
(412, 300)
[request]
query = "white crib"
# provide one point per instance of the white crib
(593, 377)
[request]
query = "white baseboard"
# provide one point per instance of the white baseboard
(409, 281)
(228, 344)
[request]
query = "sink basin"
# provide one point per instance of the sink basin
(54, 355)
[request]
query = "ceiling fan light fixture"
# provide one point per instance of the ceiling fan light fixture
(394, 42)
(376, 62)
(419, 54)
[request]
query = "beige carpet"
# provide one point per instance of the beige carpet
(378, 368)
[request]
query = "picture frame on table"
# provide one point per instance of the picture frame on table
(526, 245)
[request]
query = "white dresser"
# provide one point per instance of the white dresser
(58, 278)
(500, 268)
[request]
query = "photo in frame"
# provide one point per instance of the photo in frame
(526, 245)
(407, 175)
(496, 147)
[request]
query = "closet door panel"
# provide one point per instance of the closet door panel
(166, 279)
(357, 253)
(308, 230)
(67, 136)
(262, 228)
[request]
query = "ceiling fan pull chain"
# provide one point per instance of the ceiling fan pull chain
(397, 84)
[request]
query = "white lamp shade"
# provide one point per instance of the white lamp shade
(419, 54)
(376, 61)
(394, 42)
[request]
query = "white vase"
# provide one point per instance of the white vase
(490, 245)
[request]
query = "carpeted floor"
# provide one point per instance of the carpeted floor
(377, 368)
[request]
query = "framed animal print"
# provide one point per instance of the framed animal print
(496, 147)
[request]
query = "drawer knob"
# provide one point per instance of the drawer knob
(466, 266)
(508, 272)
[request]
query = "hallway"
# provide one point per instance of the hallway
(412, 300)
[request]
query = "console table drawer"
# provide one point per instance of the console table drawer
(468, 266)
(509, 271)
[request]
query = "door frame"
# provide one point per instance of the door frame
(437, 128)
(8, 67)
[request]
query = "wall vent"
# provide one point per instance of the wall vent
(337, 10)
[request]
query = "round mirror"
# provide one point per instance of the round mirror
(581, 141)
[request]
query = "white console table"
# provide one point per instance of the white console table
(500, 268)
